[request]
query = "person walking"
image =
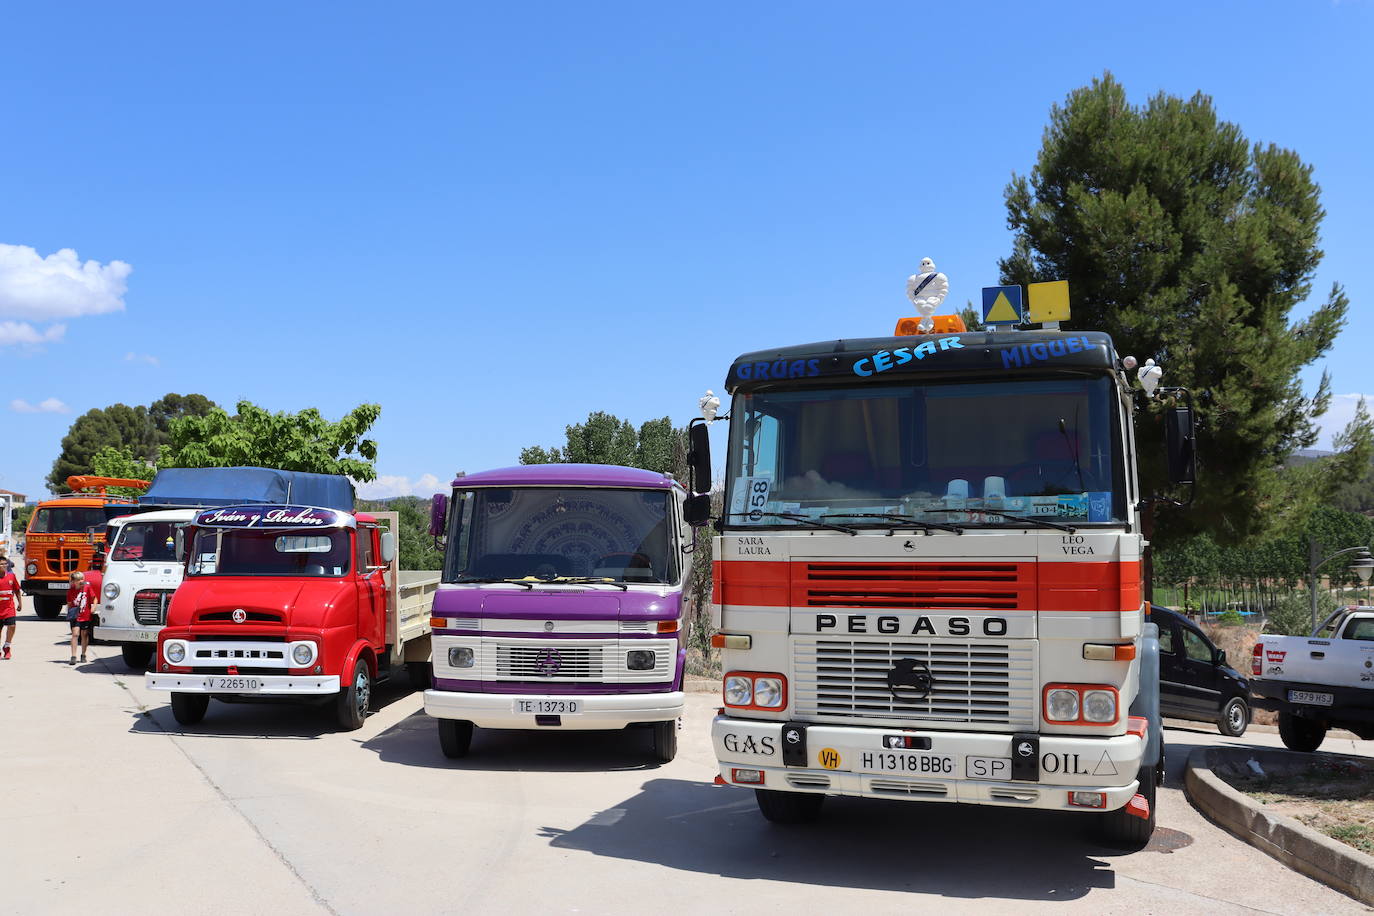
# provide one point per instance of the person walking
(81, 599)
(11, 603)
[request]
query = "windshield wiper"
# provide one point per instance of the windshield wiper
(904, 519)
(796, 518)
(1028, 519)
(467, 580)
(582, 580)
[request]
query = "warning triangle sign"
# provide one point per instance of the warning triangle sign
(1105, 767)
(1002, 310)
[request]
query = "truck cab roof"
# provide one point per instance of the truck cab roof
(569, 475)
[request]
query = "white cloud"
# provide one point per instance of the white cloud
(58, 286)
(142, 358)
(1339, 415)
(50, 405)
(21, 332)
(389, 485)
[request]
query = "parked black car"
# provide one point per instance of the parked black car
(1195, 682)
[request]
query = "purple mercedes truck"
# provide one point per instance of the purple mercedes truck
(561, 604)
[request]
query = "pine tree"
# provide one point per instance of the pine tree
(1190, 244)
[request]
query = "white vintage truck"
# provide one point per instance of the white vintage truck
(1318, 682)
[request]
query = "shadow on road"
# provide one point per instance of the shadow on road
(265, 718)
(959, 851)
(414, 741)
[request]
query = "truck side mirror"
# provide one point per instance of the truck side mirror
(699, 459)
(696, 510)
(1180, 443)
(181, 544)
(438, 515)
(388, 547)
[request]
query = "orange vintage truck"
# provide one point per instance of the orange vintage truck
(64, 532)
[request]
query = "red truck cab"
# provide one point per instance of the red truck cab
(283, 602)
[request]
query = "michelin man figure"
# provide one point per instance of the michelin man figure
(927, 290)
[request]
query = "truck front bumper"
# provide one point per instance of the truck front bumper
(49, 587)
(956, 767)
(127, 634)
(245, 684)
(594, 711)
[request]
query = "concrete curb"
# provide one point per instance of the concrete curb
(1295, 845)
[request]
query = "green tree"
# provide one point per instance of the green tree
(1191, 245)
(120, 461)
(141, 431)
(303, 441)
(606, 439)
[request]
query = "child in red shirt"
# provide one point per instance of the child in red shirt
(81, 599)
(11, 603)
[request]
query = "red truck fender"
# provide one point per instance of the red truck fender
(359, 649)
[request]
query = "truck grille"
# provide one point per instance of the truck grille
(919, 586)
(62, 560)
(990, 684)
(562, 662)
(150, 606)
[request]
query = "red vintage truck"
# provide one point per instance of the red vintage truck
(285, 602)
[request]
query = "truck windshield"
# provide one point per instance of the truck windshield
(939, 452)
(238, 552)
(152, 541)
(560, 532)
(68, 519)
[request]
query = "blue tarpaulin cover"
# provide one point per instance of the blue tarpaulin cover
(244, 486)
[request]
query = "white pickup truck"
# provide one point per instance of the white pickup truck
(1318, 682)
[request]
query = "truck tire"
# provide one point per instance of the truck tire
(1301, 734)
(1126, 831)
(665, 740)
(136, 655)
(351, 706)
(1235, 717)
(47, 607)
(418, 672)
(455, 737)
(789, 807)
(189, 708)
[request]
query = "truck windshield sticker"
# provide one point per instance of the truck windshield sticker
(751, 494)
(270, 517)
(884, 360)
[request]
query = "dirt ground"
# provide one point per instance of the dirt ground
(1333, 796)
(1238, 643)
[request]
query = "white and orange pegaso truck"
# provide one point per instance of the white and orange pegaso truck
(928, 576)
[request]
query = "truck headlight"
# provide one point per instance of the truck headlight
(460, 657)
(175, 650)
(111, 590)
(640, 660)
(303, 653)
(739, 691)
(768, 692)
(1099, 706)
(32, 568)
(1061, 705)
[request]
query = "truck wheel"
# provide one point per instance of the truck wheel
(136, 656)
(455, 737)
(418, 672)
(1301, 734)
(1235, 716)
(665, 740)
(46, 606)
(189, 708)
(1117, 828)
(351, 706)
(789, 807)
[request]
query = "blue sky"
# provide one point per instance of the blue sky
(493, 219)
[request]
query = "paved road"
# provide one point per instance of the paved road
(106, 805)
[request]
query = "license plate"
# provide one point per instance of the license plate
(1311, 698)
(898, 762)
(987, 767)
(58, 586)
(549, 707)
(239, 684)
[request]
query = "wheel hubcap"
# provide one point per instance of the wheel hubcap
(1235, 717)
(362, 688)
